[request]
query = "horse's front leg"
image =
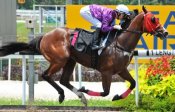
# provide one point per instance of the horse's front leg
(106, 83)
(126, 76)
(53, 68)
(65, 77)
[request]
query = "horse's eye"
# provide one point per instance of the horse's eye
(153, 19)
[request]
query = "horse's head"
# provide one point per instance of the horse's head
(152, 25)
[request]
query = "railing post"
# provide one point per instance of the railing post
(62, 16)
(23, 80)
(31, 71)
(9, 68)
(74, 75)
(137, 82)
(30, 24)
(79, 76)
(40, 19)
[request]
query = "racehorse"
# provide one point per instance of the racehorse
(55, 46)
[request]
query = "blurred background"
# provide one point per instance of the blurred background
(29, 3)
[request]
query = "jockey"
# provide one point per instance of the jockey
(103, 19)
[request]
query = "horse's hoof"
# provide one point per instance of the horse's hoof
(61, 98)
(82, 89)
(116, 97)
(83, 99)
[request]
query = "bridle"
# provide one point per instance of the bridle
(149, 26)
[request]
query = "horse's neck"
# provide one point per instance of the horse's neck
(129, 40)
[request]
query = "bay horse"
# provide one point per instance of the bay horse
(56, 48)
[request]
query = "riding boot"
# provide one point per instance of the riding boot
(96, 41)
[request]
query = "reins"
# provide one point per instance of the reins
(121, 48)
(139, 32)
(126, 30)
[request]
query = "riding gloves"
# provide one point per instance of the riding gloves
(118, 27)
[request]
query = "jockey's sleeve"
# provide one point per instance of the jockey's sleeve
(106, 28)
(106, 24)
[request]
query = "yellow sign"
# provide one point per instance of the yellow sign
(21, 1)
(166, 15)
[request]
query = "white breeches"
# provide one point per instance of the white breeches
(86, 14)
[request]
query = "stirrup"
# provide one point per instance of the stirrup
(95, 47)
(101, 49)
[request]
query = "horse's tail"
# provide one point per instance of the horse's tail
(13, 47)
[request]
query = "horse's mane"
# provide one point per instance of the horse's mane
(128, 19)
(137, 15)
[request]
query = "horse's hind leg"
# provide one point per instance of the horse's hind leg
(53, 68)
(106, 83)
(126, 76)
(65, 77)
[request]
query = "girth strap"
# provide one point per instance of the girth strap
(94, 59)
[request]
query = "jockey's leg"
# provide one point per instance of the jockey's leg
(96, 42)
(86, 14)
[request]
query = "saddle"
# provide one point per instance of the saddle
(82, 40)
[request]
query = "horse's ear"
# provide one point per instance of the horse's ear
(144, 9)
(136, 11)
(133, 14)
